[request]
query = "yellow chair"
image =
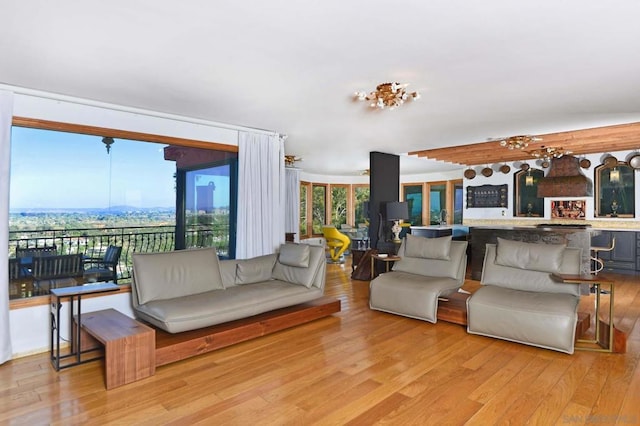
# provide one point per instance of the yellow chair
(337, 241)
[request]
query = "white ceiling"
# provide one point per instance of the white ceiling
(485, 69)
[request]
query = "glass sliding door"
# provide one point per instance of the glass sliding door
(207, 216)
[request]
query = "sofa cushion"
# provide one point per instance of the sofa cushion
(530, 256)
(300, 275)
(255, 270)
(294, 255)
(216, 307)
(410, 295)
(428, 248)
(546, 320)
(530, 280)
(228, 272)
(160, 276)
(452, 268)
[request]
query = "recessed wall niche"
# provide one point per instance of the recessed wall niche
(527, 203)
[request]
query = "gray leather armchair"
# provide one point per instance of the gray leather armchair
(520, 302)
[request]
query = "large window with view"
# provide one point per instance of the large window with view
(88, 202)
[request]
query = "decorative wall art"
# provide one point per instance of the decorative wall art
(568, 209)
(487, 196)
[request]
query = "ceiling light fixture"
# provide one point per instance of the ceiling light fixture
(547, 153)
(518, 142)
(290, 160)
(388, 95)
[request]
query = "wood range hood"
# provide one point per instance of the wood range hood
(565, 179)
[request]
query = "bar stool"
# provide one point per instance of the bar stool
(598, 264)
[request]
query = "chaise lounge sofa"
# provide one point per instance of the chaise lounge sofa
(429, 268)
(519, 301)
(190, 289)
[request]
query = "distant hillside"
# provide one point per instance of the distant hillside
(92, 210)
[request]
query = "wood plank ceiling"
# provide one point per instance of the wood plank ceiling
(620, 137)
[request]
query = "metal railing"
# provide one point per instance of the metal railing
(93, 242)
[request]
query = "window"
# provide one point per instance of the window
(615, 190)
(458, 201)
(319, 208)
(437, 202)
(361, 204)
(413, 197)
(338, 205)
(303, 210)
(527, 203)
(79, 193)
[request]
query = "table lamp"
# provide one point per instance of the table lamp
(397, 211)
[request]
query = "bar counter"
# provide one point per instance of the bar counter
(573, 236)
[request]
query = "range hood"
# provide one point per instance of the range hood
(565, 179)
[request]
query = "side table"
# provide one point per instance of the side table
(607, 338)
(386, 259)
(74, 294)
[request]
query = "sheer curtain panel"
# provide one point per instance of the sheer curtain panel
(292, 215)
(261, 194)
(6, 114)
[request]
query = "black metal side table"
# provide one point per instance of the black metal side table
(74, 294)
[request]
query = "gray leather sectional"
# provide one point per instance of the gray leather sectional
(190, 289)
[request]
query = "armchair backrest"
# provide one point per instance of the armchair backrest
(112, 255)
(453, 267)
(521, 278)
(59, 266)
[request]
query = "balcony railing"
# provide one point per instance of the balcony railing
(93, 242)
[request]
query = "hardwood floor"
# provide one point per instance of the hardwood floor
(355, 367)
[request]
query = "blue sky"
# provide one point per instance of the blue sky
(66, 170)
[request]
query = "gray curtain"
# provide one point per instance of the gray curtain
(6, 115)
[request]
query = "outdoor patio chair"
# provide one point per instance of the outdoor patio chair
(105, 267)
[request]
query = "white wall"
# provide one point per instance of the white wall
(499, 178)
(30, 326)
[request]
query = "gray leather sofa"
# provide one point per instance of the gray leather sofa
(189, 289)
(429, 268)
(520, 302)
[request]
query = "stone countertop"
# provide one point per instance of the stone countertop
(600, 225)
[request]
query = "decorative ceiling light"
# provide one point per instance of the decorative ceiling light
(547, 153)
(518, 142)
(388, 95)
(289, 160)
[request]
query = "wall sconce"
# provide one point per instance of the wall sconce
(528, 179)
(614, 175)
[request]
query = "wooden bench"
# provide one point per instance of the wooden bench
(129, 346)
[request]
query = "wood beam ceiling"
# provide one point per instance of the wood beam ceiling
(620, 137)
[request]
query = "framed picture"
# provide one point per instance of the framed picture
(568, 209)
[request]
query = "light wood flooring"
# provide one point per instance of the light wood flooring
(357, 367)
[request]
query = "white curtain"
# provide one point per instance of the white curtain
(261, 194)
(292, 213)
(6, 115)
